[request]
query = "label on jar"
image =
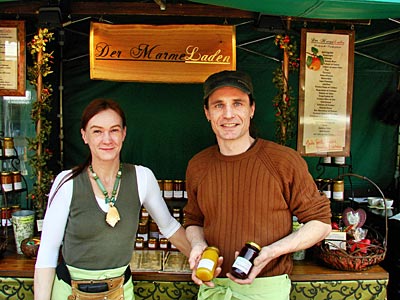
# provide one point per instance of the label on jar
(18, 185)
(242, 264)
(206, 263)
(327, 193)
(7, 187)
(338, 196)
(168, 194)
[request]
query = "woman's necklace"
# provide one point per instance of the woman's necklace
(112, 217)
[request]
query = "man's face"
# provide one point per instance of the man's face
(229, 112)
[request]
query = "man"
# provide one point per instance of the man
(247, 189)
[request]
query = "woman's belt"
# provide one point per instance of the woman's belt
(63, 273)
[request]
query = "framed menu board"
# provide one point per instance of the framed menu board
(12, 58)
(325, 92)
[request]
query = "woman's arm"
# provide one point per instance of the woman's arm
(51, 238)
(43, 283)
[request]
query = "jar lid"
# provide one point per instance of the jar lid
(255, 245)
(212, 248)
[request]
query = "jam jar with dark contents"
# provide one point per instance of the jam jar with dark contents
(244, 262)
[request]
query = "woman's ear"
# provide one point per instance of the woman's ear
(83, 133)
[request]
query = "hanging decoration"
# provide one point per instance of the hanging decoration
(40, 154)
(284, 100)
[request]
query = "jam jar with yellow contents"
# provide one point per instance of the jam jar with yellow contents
(207, 264)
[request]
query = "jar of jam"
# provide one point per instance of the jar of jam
(5, 216)
(184, 190)
(327, 188)
(178, 189)
(207, 264)
(143, 231)
(17, 180)
(153, 243)
(144, 214)
(139, 243)
(340, 160)
(153, 229)
(163, 243)
(176, 213)
(8, 146)
(6, 181)
(168, 189)
(338, 190)
(319, 182)
(244, 262)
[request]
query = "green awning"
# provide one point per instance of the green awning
(318, 9)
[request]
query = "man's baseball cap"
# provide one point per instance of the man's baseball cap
(237, 79)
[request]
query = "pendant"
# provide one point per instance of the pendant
(112, 217)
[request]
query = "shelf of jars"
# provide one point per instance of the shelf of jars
(13, 183)
(153, 252)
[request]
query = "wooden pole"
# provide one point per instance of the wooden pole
(39, 90)
(285, 70)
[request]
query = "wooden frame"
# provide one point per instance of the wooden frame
(12, 58)
(325, 92)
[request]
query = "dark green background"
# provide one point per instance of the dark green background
(166, 123)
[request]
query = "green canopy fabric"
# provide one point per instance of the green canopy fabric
(318, 9)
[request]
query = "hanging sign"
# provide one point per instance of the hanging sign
(326, 91)
(160, 53)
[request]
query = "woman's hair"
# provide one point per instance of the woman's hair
(96, 106)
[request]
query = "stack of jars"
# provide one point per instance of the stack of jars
(149, 236)
(172, 189)
(333, 189)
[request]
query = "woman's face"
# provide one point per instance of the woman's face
(104, 135)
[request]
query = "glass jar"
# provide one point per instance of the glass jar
(5, 216)
(8, 146)
(178, 189)
(327, 188)
(153, 230)
(6, 181)
(340, 160)
(168, 189)
(176, 213)
(144, 214)
(184, 190)
(163, 243)
(143, 231)
(139, 243)
(319, 182)
(244, 262)
(338, 190)
(153, 243)
(17, 180)
(207, 264)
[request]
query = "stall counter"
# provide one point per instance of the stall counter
(310, 280)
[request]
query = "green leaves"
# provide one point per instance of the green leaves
(283, 101)
(40, 154)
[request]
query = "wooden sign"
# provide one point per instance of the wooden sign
(160, 53)
(326, 92)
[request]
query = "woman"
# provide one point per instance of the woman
(93, 212)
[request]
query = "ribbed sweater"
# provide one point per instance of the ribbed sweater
(251, 197)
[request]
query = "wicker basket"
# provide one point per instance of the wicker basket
(357, 260)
